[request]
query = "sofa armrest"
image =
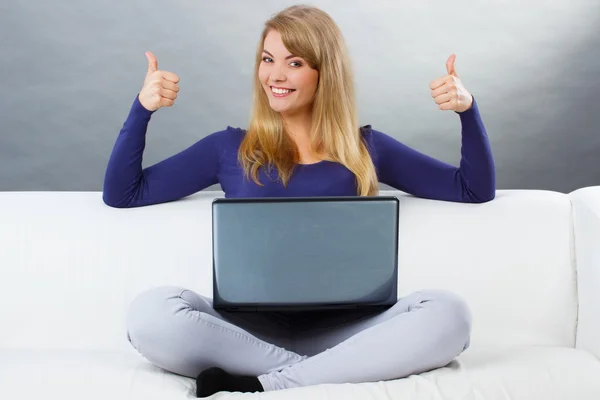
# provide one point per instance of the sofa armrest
(586, 225)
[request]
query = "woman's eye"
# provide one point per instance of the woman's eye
(269, 60)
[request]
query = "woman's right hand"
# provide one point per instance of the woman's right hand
(160, 87)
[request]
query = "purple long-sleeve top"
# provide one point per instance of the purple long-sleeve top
(213, 159)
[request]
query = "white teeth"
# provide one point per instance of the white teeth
(280, 91)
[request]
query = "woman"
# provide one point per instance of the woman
(303, 140)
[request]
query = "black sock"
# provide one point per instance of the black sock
(215, 380)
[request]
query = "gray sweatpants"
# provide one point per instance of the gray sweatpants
(178, 330)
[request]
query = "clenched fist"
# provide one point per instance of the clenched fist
(160, 87)
(448, 92)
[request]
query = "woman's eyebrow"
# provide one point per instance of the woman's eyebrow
(288, 57)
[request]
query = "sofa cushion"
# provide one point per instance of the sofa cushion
(520, 373)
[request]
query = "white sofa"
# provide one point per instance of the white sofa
(528, 263)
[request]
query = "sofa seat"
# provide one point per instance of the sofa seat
(496, 374)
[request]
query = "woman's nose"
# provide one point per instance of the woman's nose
(277, 74)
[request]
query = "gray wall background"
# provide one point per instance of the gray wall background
(70, 70)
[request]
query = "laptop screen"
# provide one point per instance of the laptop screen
(312, 252)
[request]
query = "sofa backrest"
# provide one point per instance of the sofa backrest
(71, 265)
(511, 259)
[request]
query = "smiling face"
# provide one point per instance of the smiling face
(289, 81)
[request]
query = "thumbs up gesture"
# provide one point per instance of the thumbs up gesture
(448, 91)
(160, 87)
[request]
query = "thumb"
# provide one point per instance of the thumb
(450, 65)
(152, 62)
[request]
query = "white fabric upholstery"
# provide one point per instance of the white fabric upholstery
(510, 258)
(71, 265)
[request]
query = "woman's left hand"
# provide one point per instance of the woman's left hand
(448, 92)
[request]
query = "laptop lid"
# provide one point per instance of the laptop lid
(305, 253)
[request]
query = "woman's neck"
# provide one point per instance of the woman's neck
(298, 125)
(299, 128)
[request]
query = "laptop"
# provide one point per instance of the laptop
(305, 254)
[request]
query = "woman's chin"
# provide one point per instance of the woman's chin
(278, 108)
(284, 108)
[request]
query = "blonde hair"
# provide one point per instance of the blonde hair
(311, 34)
